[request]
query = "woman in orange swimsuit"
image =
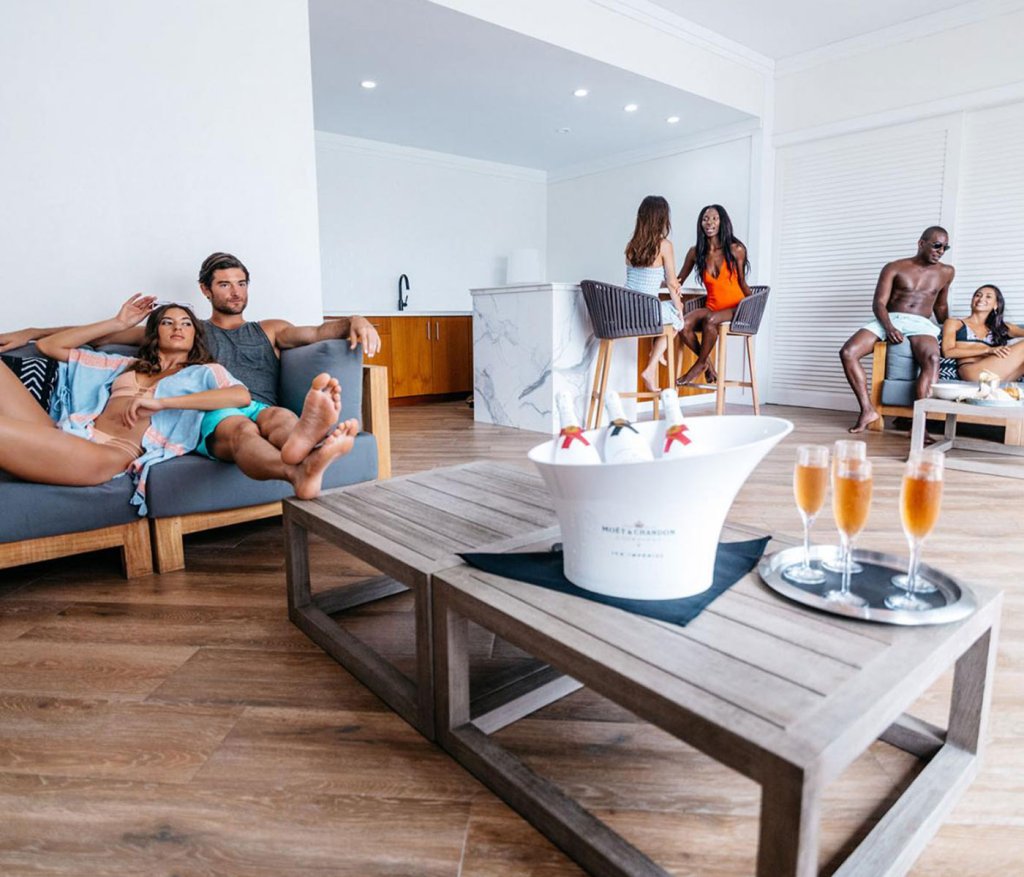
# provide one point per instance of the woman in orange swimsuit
(110, 439)
(719, 261)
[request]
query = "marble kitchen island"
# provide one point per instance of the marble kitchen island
(531, 341)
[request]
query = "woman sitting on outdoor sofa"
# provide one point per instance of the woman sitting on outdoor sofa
(116, 414)
(979, 342)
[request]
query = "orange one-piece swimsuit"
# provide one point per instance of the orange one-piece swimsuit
(724, 290)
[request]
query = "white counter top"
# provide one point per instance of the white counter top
(405, 313)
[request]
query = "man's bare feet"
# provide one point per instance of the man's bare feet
(865, 420)
(308, 475)
(320, 412)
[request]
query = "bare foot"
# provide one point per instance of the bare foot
(308, 476)
(320, 413)
(691, 375)
(865, 420)
(650, 375)
(710, 375)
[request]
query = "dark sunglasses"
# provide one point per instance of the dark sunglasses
(939, 248)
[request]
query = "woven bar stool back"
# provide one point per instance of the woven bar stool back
(617, 312)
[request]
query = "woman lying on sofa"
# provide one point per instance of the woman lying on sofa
(116, 414)
(979, 341)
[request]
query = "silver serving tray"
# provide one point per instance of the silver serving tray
(952, 601)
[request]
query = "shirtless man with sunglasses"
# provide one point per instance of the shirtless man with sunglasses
(909, 291)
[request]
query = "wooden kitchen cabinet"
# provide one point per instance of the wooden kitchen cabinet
(412, 356)
(426, 356)
(452, 355)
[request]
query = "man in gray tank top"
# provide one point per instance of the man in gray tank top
(264, 440)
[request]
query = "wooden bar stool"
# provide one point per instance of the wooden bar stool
(746, 320)
(617, 312)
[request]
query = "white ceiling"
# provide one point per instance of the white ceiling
(453, 83)
(782, 28)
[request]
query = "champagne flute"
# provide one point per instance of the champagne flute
(920, 502)
(847, 449)
(851, 501)
(810, 484)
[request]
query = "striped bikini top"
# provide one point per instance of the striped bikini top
(127, 384)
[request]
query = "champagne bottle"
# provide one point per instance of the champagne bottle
(673, 439)
(622, 442)
(571, 446)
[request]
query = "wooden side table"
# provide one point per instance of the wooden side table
(1013, 416)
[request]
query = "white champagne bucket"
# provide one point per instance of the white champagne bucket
(649, 531)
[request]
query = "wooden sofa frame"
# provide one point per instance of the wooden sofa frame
(1014, 434)
(160, 539)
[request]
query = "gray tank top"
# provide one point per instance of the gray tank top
(247, 353)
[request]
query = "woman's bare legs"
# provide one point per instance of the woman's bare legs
(1009, 367)
(650, 374)
(709, 335)
(45, 454)
(18, 403)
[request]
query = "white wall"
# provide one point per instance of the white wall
(899, 76)
(591, 217)
(139, 137)
(446, 221)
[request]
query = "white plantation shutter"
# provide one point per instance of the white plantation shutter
(844, 208)
(990, 210)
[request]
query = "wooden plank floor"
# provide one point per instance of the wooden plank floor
(180, 725)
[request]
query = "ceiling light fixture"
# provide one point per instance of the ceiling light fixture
(580, 92)
(631, 108)
(672, 119)
(368, 83)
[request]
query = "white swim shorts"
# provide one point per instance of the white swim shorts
(908, 324)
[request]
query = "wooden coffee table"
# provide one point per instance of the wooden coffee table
(1013, 416)
(784, 695)
(409, 528)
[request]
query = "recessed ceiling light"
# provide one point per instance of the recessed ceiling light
(631, 108)
(368, 83)
(580, 92)
(564, 130)
(672, 119)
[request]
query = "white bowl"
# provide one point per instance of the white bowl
(952, 390)
(649, 531)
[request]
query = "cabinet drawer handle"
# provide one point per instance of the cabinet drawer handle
(437, 330)
(428, 330)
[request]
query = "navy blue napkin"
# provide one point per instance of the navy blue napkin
(544, 568)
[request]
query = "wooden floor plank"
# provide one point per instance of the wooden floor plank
(256, 755)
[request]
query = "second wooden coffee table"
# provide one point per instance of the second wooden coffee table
(783, 695)
(409, 528)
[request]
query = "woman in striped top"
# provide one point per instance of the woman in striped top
(651, 264)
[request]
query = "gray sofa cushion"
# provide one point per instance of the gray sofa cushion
(299, 365)
(30, 511)
(901, 373)
(899, 362)
(196, 484)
